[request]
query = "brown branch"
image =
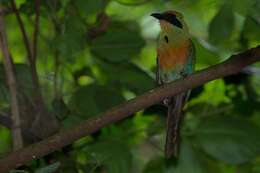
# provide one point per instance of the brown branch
(35, 78)
(43, 124)
(103, 22)
(231, 66)
(30, 53)
(10, 75)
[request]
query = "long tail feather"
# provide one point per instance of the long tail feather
(174, 119)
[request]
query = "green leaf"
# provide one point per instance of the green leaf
(24, 77)
(189, 161)
(205, 56)
(136, 79)
(229, 139)
(156, 165)
(128, 75)
(131, 2)
(216, 91)
(222, 25)
(27, 7)
(4, 2)
(242, 7)
(190, 157)
(114, 155)
(72, 39)
(251, 30)
(6, 141)
(71, 121)
(92, 99)
(90, 6)
(49, 169)
(118, 45)
(59, 108)
(255, 11)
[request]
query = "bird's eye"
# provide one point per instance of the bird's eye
(166, 39)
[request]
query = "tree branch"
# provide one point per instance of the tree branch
(10, 75)
(231, 66)
(31, 53)
(44, 124)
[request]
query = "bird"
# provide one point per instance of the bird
(175, 60)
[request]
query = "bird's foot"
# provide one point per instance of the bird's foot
(183, 74)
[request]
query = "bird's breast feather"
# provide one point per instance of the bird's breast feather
(171, 56)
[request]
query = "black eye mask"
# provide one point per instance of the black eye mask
(171, 18)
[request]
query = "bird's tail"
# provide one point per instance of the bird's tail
(174, 120)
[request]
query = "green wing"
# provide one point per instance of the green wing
(190, 67)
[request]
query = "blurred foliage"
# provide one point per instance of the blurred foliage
(95, 54)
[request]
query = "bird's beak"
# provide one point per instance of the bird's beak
(157, 16)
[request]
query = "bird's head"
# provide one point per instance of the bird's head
(171, 20)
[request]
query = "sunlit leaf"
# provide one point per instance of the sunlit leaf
(5, 144)
(214, 90)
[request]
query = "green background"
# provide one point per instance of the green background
(221, 132)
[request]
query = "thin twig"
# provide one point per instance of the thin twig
(30, 54)
(231, 66)
(22, 28)
(10, 75)
(36, 29)
(56, 73)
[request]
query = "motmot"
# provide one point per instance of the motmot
(175, 60)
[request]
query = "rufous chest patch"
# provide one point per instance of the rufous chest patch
(171, 56)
